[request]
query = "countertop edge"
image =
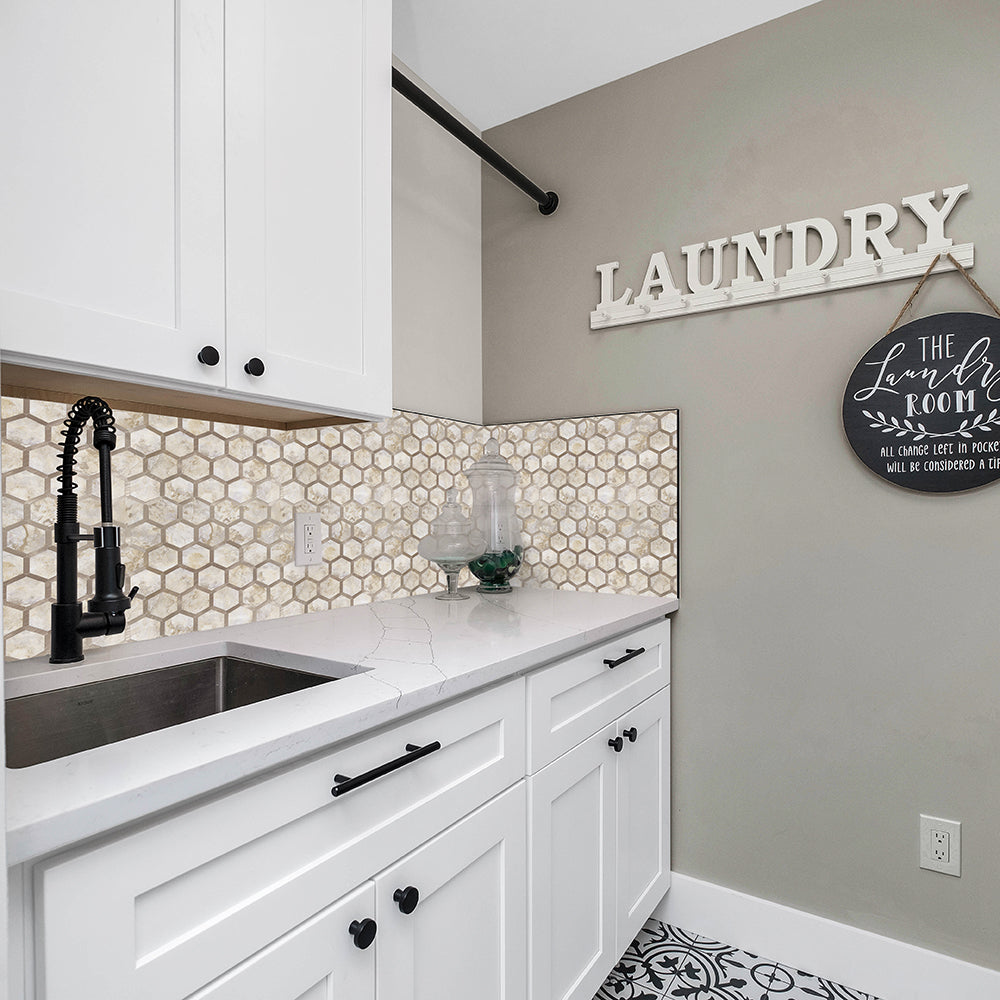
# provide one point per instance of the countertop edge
(40, 824)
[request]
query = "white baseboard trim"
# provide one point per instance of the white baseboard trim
(882, 966)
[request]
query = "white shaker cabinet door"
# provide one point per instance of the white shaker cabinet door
(572, 871)
(308, 201)
(319, 960)
(643, 814)
(112, 186)
(464, 934)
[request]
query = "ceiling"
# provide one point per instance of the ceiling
(495, 60)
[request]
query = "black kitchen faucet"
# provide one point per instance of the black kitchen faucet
(105, 614)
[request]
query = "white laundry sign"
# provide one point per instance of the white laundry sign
(872, 257)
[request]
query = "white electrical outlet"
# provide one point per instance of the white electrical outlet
(941, 845)
(308, 544)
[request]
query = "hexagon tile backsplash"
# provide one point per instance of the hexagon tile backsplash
(206, 511)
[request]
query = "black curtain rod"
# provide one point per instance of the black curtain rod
(548, 201)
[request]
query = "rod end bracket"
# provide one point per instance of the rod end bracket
(550, 204)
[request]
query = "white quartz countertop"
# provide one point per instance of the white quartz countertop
(414, 653)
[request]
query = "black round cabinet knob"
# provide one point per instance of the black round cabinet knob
(254, 367)
(616, 744)
(406, 899)
(363, 932)
(208, 355)
(631, 734)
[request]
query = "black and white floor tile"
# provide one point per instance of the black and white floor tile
(664, 963)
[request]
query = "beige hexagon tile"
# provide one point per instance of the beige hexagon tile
(206, 511)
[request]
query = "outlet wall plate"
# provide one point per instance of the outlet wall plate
(308, 543)
(941, 845)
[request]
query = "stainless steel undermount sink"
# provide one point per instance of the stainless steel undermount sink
(53, 724)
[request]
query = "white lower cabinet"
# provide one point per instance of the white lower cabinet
(572, 861)
(599, 850)
(445, 922)
(643, 816)
(505, 845)
(160, 911)
(467, 935)
(316, 961)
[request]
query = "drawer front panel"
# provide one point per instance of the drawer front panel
(572, 699)
(177, 903)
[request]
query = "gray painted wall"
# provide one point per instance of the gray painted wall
(436, 267)
(836, 654)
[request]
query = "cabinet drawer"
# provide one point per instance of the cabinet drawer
(574, 698)
(159, 912)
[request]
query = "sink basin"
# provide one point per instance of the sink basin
(65, 721)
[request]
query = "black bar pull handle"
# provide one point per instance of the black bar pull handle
(413, 752)
(629, 654)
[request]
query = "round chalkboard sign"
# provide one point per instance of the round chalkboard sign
(922, 408)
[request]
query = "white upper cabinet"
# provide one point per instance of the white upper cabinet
(182, 174)
(308, 206)
(112, 186)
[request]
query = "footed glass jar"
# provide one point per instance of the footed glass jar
(492, 479)
(452, 541)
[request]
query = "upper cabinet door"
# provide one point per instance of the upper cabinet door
(112, 186)
(308, 201)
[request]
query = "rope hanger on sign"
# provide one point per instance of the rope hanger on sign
(965, 274)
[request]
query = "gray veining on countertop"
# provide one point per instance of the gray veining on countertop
(406, 655)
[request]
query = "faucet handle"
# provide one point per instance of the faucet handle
(120, 578)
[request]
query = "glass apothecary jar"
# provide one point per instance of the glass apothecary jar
(453, 540)
(492, 479)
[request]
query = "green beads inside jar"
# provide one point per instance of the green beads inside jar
(494, 569)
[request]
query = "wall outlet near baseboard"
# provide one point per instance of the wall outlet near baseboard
(308, 544)
(941, 845)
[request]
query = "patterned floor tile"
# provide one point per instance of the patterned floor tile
(715, 971)
(624, 988)
(667, 963)
(649, 964)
